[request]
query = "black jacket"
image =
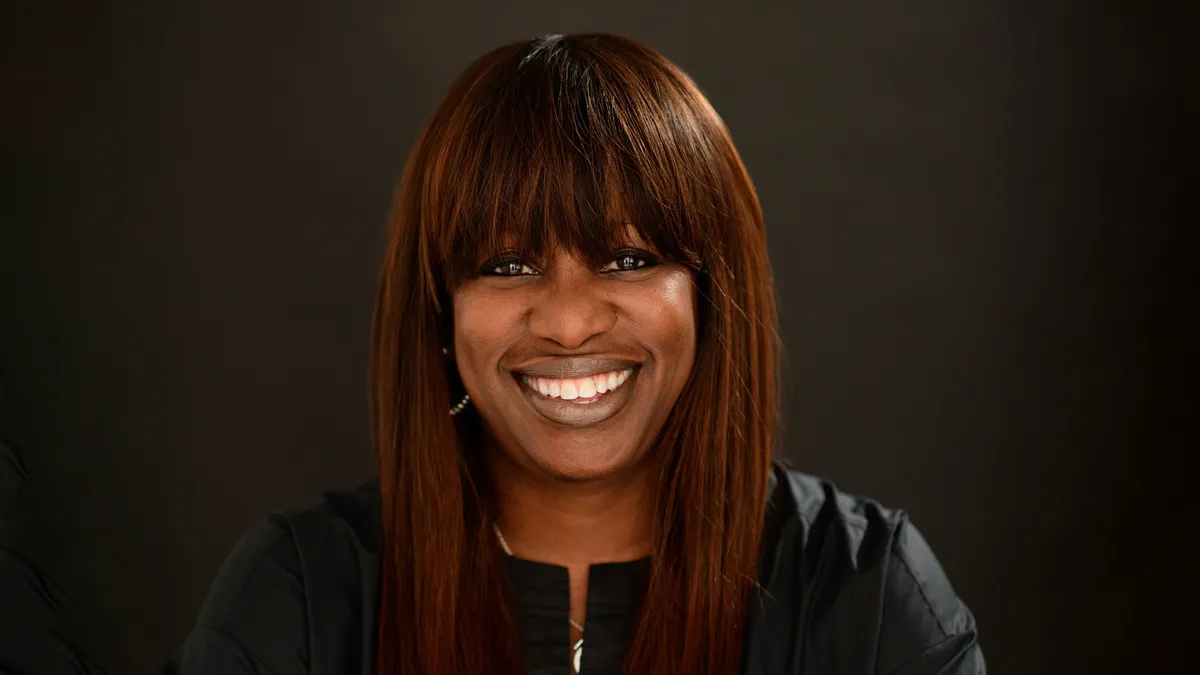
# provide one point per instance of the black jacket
(847, 587)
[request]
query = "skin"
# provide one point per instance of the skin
(576, 496)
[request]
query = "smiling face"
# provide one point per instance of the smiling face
(574, 369)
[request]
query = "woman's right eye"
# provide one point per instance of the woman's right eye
(510, 267)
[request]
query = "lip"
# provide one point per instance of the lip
(574, 415)
(566, 368)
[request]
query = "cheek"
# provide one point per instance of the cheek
(671, 317)
(479, 327)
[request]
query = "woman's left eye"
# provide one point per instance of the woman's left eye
(627, 261)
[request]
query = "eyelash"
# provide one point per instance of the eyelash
(648, 261)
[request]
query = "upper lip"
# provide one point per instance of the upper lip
(575, 366)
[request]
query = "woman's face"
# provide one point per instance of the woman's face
(574, 370)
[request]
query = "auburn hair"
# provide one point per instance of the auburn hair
(559, 141)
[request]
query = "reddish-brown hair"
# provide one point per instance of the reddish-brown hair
(558, 141)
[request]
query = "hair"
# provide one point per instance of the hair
(561, 141)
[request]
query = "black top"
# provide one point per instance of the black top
(847, 587)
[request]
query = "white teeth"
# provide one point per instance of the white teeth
(587, 388)
(580, 388)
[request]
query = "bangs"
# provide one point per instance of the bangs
(554, 147)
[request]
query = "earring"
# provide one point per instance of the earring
(466, 398)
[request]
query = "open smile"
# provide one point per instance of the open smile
(579, 401)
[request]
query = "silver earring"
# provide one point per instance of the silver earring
(461, 404)
(466, 398)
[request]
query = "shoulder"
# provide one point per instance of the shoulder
(289, 569)
(863, 563)
(290, 550)
(342, 519)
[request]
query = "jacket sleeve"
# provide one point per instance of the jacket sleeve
(926, 628)
(40, 626)
(254, 619)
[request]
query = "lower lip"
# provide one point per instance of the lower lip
(572, 414)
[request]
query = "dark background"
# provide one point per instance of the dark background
(973, 215)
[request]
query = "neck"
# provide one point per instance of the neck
(575, 523)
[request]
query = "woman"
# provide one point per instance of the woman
(574, 405)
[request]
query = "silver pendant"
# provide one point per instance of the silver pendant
(578, 653)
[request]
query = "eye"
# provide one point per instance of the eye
(630, 260)
(506, 267)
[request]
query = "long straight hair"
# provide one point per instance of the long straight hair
(563, 141)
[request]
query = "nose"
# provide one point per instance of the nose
(574, 306)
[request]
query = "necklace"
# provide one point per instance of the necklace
(577, 648)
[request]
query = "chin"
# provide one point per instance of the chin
(584, 464)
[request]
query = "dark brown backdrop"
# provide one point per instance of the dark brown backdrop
(969, 209)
